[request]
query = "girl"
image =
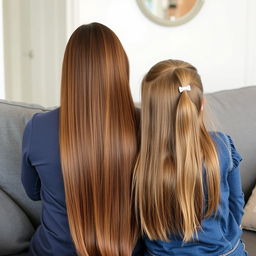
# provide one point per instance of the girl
(187, 185)
(79, 158)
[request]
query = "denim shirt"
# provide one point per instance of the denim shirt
(220, 233)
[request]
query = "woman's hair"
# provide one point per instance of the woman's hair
(170, 196)
(98, 142)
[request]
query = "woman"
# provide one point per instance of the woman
(79, 158)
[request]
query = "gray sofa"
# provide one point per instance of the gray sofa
(234, 112)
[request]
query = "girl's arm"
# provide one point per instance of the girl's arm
(29, 175)
(236, 196)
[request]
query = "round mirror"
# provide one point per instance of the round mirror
(170, 12)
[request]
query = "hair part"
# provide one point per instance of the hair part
(175, 145)
(98, 142)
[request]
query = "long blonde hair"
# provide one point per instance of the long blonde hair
(98, 142)
(175, 145)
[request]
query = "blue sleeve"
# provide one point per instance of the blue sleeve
(29, 176)
(236, 196)
(139, 248)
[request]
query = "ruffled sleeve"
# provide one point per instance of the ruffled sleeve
(235, 156)
(236, 196)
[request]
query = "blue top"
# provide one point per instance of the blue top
(42, 180)
(220, 235)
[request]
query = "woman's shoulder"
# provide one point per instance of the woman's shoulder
(45, 119)
(41, 133)
(46, 116)
(44, 123)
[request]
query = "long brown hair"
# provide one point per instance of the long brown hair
(98, 143)
(168, 179)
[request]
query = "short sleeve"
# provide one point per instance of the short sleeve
(235, 156)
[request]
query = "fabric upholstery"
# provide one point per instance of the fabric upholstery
(249, 218)
(234, 112)
(249, 238)
(13, 117)
(16, 228)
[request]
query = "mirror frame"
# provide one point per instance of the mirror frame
(182, 20)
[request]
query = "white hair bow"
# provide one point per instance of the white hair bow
(184, 88)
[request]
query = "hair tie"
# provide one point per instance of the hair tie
(184, 88)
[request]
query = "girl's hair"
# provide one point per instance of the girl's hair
(98, 142)
(168, 180)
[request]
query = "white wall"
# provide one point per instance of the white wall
(35, 37)
(220, 41)
(2, 91)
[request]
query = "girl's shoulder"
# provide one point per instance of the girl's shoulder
(226, 149)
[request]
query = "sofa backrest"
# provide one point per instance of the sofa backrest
(13, 117)
(234, 112)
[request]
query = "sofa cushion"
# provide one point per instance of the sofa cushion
(249, 239)
(234, 112)
(13, 117)
(16, 228)
(249, 218)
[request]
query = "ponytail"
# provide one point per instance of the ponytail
(188, 166)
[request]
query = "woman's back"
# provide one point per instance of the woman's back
(43, 180)
(41, 162)
(94, 140)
